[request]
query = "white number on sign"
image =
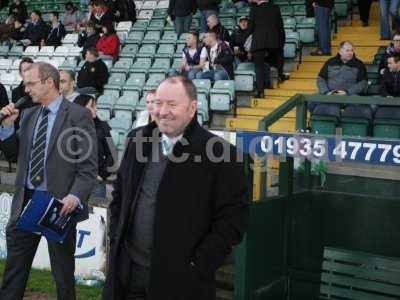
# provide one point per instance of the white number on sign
(319, 148)
(386, 148)
(396, 154)
(371, 147)
(266, 144)
(292, 145)
(305, 150)
(340, 150)
(279, 142)
(356, 146)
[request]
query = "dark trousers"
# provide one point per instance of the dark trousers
(275, 58)
(21, 249)
(364, 7)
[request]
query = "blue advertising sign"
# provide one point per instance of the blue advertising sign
(330, 148)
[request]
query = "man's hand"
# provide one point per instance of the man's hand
(70, 203)
(12, 113)
(315, 4)
(341, 93)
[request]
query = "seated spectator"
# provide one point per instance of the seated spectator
(392, 49)
(88, 38)
(108, 43)
(342, 75)
(219, 65)
(57, 31)
(6, 28)
(72, 17)
(105, 145)
(101, 15)
(239, 37)
(94, 72)
(194, 56)
(18, 32)
(3, 96)
(214, 25)
(18, 8)
(390, 81)
(19, 91)
(67, 85)
(36, 31)
(146, 116)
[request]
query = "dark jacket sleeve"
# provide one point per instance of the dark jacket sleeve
(225, 57)
(322, 80)
(362, 80)
(171, 7)
(108, 150)
(3, 96)
(102, 75)
(230, 217)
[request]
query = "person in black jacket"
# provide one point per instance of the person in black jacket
(123, 10)
(239, 36)
(101, 15)
(392, 49)
(18, 33)
(207, 8)
(94, 72)
(268, 36)
(88, 38)
(105, 145)
(181, 12)
(322, 12)
(219, 65)
(390, 81)
(36, 31)
(18, 8)
(222, 33)
(57, 31)
(3, 96)
(364, 6)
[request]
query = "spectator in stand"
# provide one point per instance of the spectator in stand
(322, 11)
(364, 6)
(101, 15)
(72, 17)
(268, 36)
(94, 72)
(207, 8)
(146, 116)
(392, 49)
(389, 7)
(3, 96)
(219, 65)
(343, 74)
(123, 10)
(88, 38)
(108, 43)
(19, 91)
(239, 36)
(240, 3)
(67, 85)
(222, 33)
(194, 57)
(36, 31)
(6, 29)
(57, 31)
(18, 33)
(104, 145)
(18, 8)
(390, 81)
(181, 12)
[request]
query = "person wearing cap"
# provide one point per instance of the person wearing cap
(105, 145)
(67, 85)
(239, 36)
(94, 72)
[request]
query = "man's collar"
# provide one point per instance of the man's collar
(55, 104)
(173, 140)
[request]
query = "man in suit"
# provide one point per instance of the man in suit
(177, 207)
(268, 36)
(57, 152)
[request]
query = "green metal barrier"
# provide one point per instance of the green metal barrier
(283, 253)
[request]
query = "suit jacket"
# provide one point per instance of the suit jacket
(201, 212)
(66, 173)
(266, 25)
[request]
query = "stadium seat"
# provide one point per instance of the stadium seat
(160, 14)
(135, 84)
(341, 8)
(112, 93)
(169, 37)
(153, 81)
(299, 10)
(152, 37)
(160, 65)
(8, 79)
(46, 51)
(115, 81)
(165, 51)
(15, 64)
(4, 51)
(287, 11)
(61, 51)
(149, 5)
(148, 50)
(203, 86)
(387, 122)
(140, 25)
(306, 30)
(31, 51)
(129, 51)
(202, 108)
(134, 37)
(122, 35)
(289, 23)
(176, 63)
(245, 77)
(5, 64)
(123, 65)
(244, 11)
(163, 4)
(222, 95)
(325, 118)
(227, 12)
(70, 38)
(178, 51)
(125, 107)
(228, 23)
(75, 51)
(291, 44)
(15, 51)
(141, 65)
(124, 26)
(356, 120)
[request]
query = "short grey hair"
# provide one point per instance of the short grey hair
(47, 70)
(70, 73)
(188, 85)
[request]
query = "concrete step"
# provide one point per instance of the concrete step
(299, 84)
(360, 42)
(287, 93)
(304, 75)
(267, 103)
(251, 124)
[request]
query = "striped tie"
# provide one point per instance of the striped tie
(38, 151)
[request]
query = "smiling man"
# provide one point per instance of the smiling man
(177, 207)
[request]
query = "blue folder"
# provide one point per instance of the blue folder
(42, 215)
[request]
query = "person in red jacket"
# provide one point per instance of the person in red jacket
(108, 44)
